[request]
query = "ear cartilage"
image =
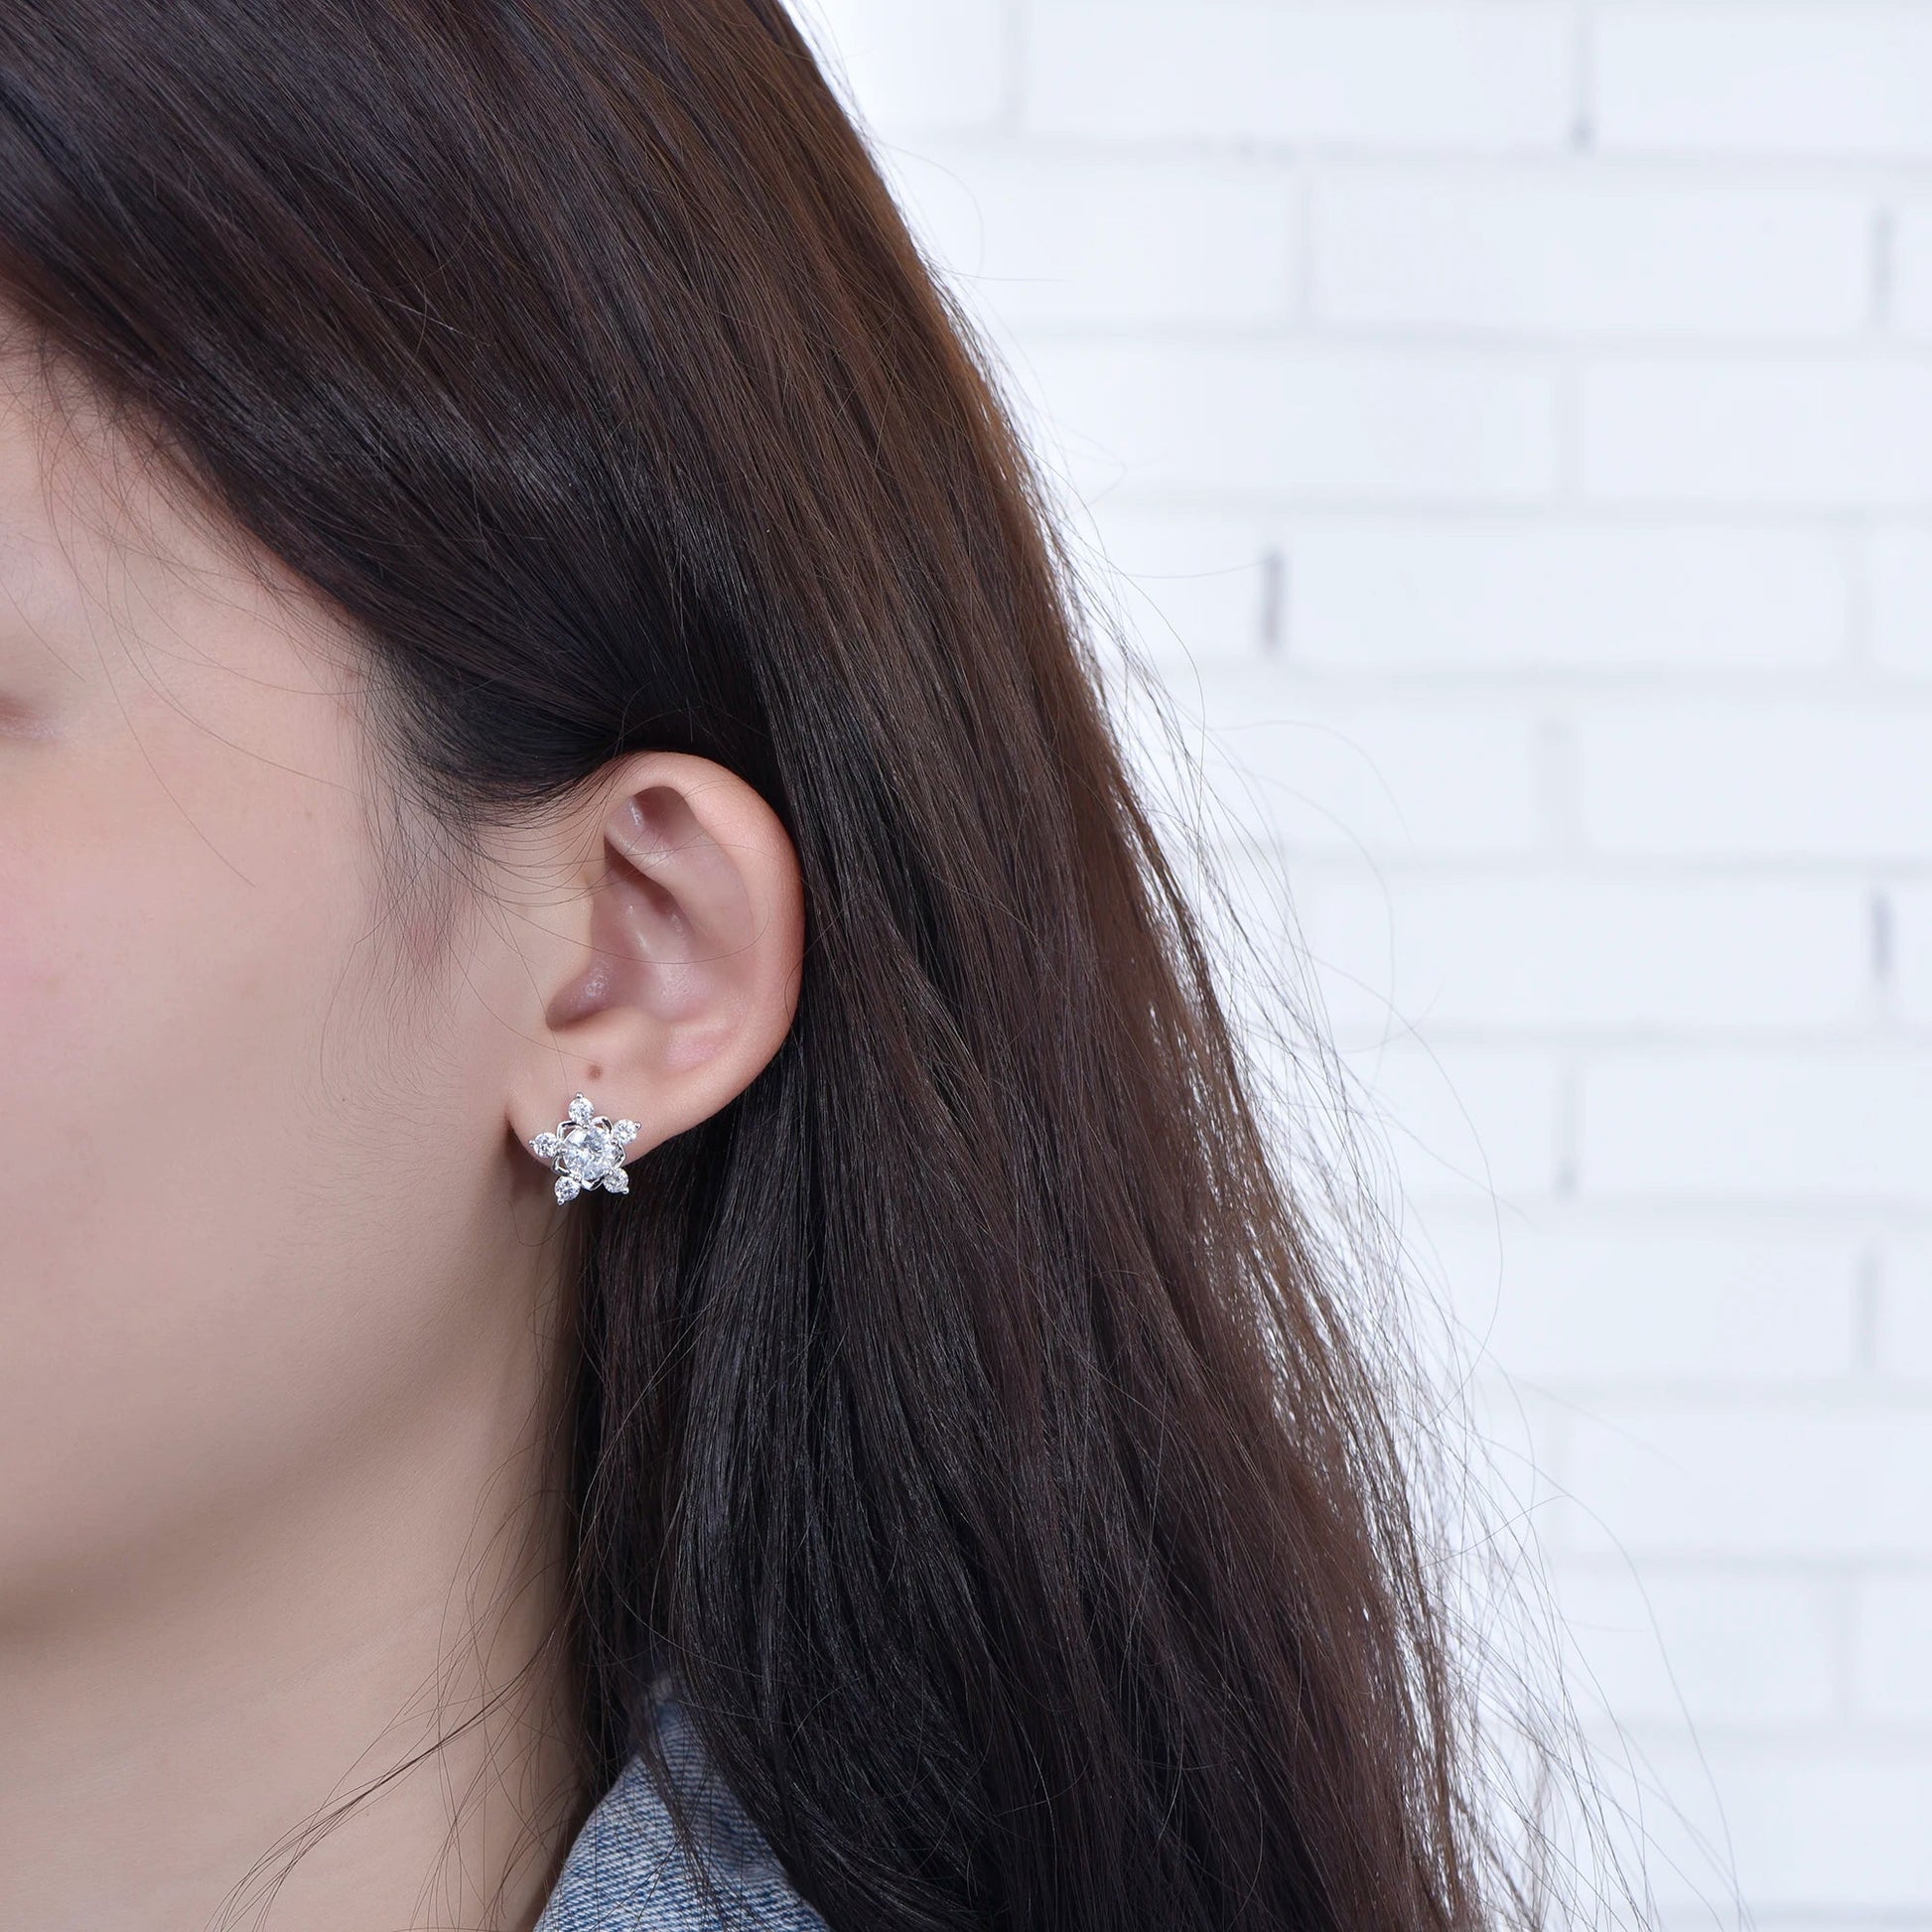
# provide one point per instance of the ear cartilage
(587, 1151)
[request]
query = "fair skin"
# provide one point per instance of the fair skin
(279, 1276)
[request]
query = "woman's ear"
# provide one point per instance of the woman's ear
(671, 969)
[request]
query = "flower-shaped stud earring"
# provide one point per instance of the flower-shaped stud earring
(586, 1150)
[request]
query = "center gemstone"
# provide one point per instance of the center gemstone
(588, 1152)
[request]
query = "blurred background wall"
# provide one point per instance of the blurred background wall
(1511, 426)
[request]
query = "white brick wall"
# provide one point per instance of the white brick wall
(1488, 78)
(1502, 594)
(1910, 269)
(1823, 77)
(1900, 575)
(1300, 422)
(1497, 254)
(1842, 433)
(1508, 423)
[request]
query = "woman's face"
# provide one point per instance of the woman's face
(280, 1278)
(248, 1231)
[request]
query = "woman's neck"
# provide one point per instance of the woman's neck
(180, 1725)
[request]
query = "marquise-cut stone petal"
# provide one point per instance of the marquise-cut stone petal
(623, 1132)
(616, 1181)
(568, 1186)
(581, 1112)
(546, 1147)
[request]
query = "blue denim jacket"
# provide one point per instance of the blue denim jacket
(626, 1872)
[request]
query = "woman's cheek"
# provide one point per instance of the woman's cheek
(157, 1014)
(46, 1082)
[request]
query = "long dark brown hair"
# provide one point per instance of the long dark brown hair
(965, 1419)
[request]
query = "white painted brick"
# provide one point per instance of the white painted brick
(1904, 1340)
(1749, 430)
(1823, 1835)
(1910, 910)
(1563, 1300)
(1446, 1125)
(1831, 1829)
(1185, 583)
(1380, 782)
(1575, 255)
(1297, 422)
(1901, 598)
(1479, 77)
(1778, 782)
(1321, 775)
(1514, 1452)
(1828, 78)
(1040, 238)
(1704, 1646)
(1911, 269)
(1747, 1480)
(1498, 594)
(939, 65)
(1653, 1799)
(1891, 1657)
(1546, 950)
(1849, 1126)
(1846, 1127)
(1459, 1121)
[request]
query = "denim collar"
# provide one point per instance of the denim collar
(627, 1872)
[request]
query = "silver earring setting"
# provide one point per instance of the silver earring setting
(587, 1151)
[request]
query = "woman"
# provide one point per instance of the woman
(522, 600)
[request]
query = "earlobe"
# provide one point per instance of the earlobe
(681, 977)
